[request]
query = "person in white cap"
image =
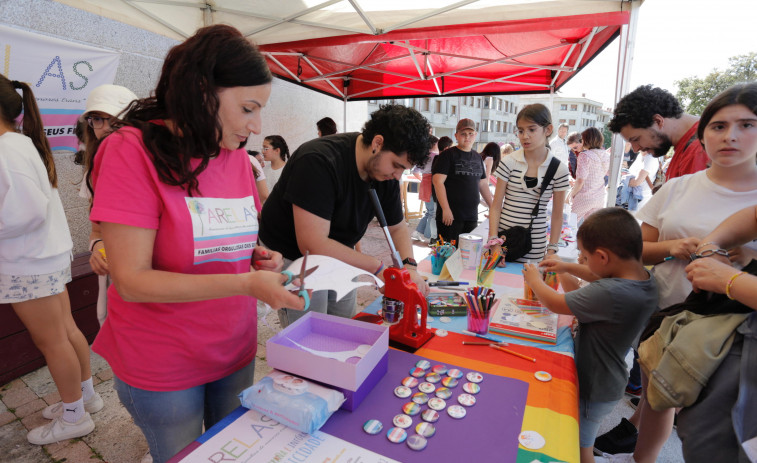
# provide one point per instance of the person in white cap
(104, 104)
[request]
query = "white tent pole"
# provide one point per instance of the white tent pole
(622, 83)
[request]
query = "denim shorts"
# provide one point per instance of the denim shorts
(590, 415)
(22, 288)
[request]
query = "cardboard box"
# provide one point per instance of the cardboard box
(354, 377)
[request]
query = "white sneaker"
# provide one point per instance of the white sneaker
(416, 235)
(93, 405)
(58, 430)
(617, 458)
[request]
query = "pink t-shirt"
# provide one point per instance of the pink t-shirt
(174, 346)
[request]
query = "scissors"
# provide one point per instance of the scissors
(304, 271)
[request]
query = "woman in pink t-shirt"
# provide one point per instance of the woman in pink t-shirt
(175, 197)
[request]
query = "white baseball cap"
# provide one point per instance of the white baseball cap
(109, 99)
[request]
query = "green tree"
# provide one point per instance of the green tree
(694, 93)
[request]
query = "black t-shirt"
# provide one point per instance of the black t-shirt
(322, 178)
(464, 170)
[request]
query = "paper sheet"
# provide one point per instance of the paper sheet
(453, 267)
(331, 274)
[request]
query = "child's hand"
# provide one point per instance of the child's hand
(553, 264)
(531, 274)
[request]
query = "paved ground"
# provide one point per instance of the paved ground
(116, 439)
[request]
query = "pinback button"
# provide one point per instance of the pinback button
(449, 382)
(430, 319)
(426, 387)
(445, 319)
(424, 364)
(410, 381)
(417, 372)
(543, 376)
(417, 442)
(402, 421)
(466, 399)
(456, 411)
(471, 388)
(433, 377)
(439, 369)
(441, 333)
(531, 440)
(396, 435)
(411, 408)
(436, 404)
(455, 373)
(420, 398)
(425, 429)
(443, 393)
(432, 416)
(403, 392)
(474, 377)
(373, 426)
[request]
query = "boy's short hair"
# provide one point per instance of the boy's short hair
(614, 229)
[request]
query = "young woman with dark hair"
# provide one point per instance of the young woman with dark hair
(35, 264)
(176, 199)
(276, 152)
(491, 155)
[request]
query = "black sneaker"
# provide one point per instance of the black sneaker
(634, 402)
(620, 439)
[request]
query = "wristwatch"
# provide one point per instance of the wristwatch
(409, 261)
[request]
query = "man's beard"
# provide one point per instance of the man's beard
(664, 146)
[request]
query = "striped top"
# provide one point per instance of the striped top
(520, 200)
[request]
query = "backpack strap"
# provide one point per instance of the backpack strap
(551, 170)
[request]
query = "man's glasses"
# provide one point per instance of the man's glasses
(96, 122)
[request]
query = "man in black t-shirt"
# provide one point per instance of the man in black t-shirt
(321, 203)
(458, 177)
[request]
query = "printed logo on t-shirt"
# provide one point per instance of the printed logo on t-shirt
(224, 229)
(469, 167)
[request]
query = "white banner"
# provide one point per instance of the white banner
(61, 75)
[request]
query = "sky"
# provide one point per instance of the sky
(675, 39)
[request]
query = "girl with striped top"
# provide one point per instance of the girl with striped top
(520, 176)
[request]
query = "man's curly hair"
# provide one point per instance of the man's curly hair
(404, 130)
(639, 107)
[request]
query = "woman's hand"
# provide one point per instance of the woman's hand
(683, 248)
(269, 288)
(265, 259)
(741, 255)
(709, 275)
(97, 261)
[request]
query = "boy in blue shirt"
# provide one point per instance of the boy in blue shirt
(611, 311)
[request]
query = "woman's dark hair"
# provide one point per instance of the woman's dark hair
(252, 154)
(11, 106)
(326, 126)
(592, 138)
(432, 140)
(739, 94)
(538, 114)
(491, 150)
(444, 143)
(573, 137)
(639, 107)
(404, 130)
(277, 142)
(216, 57)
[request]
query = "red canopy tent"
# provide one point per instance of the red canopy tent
(536, 55)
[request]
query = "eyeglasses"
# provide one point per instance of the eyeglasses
(266, 148)
(96, 122)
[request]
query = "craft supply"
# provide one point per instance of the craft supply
(466, 399)
(486, 266)
(512, 352)
(445, 319)
(484, 343)
(525, 319)
(482, 336)
(480, 301)
(373, 426)
(420, 398)
(417, 442)
(443, 392)
(410, 381)
(403, 392)
(448, 283)
(437, 404)
(425, 429)
(342, 356)
(440, 252)
(424, 364)
(446, 303)
(426, 387)
(449, 382)
(402, 421)
(455, 373)
(396, 435)
(531, 440)
(471, 388)
(457, 412)
(430, 415)
(552, 280)
(439, 369)
(433, 377)
(543, 376)
(417, 372)
(441, 333)
(474, 377)
(411, 408)
(470, 249)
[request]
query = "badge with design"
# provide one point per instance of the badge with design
(531, 440)
(411, 408)
(426, 387)
(436, 404)
(466, 399)
(449, 382)
(439, 369)
(471, 388)
(402, 421)
(457, 412)
(425, 429)
(396, 435)
(433, 377)
(410, 381)
(417, 442)
(432, 416)
(543, 376)
(420, 398)
(417, 372)
(373, 426)
(423, 364)
(474, 377)
(443, 393)
(403, 392)
(455, 373)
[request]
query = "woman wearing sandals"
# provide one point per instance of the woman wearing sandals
(35, 264)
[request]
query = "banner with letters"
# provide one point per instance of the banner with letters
(60, 73)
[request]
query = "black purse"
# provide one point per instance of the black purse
(518, 238)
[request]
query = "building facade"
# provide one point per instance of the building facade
(579, 113)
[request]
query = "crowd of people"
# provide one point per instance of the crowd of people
(157, 168)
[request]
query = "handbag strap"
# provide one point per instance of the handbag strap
(551, 170)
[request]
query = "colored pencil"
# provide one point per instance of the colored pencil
(517, 354)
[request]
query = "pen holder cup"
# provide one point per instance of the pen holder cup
(437, 264)
(478, 322)
(485, 278)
